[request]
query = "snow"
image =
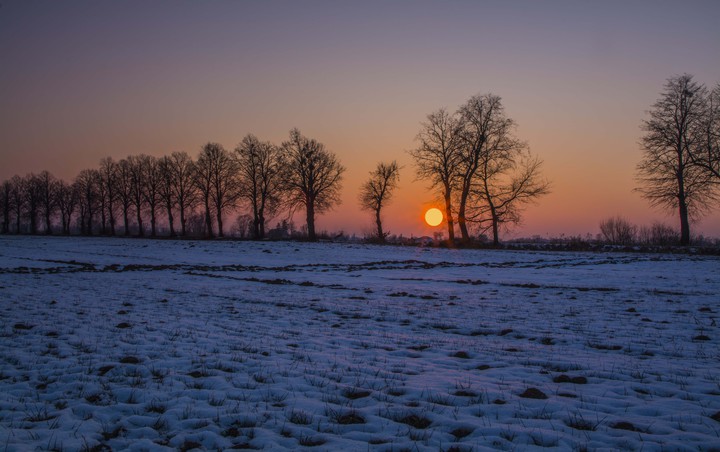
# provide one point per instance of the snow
(165, 345)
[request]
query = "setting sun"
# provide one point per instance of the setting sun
(433, 217)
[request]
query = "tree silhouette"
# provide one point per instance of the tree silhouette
(108, 176)
(377, 191)
(67, 199)
(260, 173)
(505, 184)
(6, 203)
(216, 178)
(137, 189)
(707, 156)
(437, 159)
(182, 171)
(17, 200)
(313, 177)
(151, 188)
(166, 191)
(124, 190)
(87, 184)
(667, 174)
(47, 191)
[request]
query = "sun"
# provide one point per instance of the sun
(433, 217)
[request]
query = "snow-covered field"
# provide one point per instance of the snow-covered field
(121, 343)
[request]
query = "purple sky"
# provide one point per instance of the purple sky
(84, 80)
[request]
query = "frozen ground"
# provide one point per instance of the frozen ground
(113, 344)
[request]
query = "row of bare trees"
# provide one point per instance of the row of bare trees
(127, 194)
(482, 173)
(680, 167)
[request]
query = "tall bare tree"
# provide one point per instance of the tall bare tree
(137, 189)
(151, 188)
(17, 201)
(312, 179)
(203, 182)
(124, 190)
(217, 181)
(667, 174)
(485, 135)
(108, 180)
(182, 171)
(707, 156)
(47, 190)
(167, 192)
(503, 188)
(33, 199)
(260, 173)
(6, 202)
(437, 159)
(67, 199)
(87, 182)
(377, 191)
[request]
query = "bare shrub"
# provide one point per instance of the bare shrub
(618, 231)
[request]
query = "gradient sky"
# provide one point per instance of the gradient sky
(83, 80)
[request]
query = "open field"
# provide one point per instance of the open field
(121, 343)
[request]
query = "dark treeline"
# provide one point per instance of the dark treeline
(177, 195)
(481, 174)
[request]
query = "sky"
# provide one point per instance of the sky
(84, 80)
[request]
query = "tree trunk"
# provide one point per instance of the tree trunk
(103, 221)
(182, 220)
(126, 220)
(495, 222)
(461, 219)
(310, 218)
(496, 236)
(208, 220)
(152, 222)
(141, 231)
(448, 215)
(48, 225)
(220, 223)
(112, 220)
(378, 222)
(684, 223)
(171, 220)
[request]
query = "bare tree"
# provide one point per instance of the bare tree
(109, 190)
(183, 171)
(667, 176)
(377, 191)
(260, 179)
(33, 199)
(707, 156)
(313, 177)
(505, 184)
(47, 191)
(485, 135)
(618, 231)
(87, 183)
(137, 189)
(102, 201)
(17, 201)
(6, 202)
(67, 200)
(151, 188)
(216, 178)
(203, 181)
(437, 159)
(167, 192)
(124, 189)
